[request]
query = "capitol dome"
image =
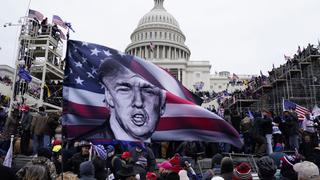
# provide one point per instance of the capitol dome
(158, 36)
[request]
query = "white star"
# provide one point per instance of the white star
(79, 81)
(93, 70)
(84, 43)
(121, 53)
(84, 60)
(78, 64)
(75, 50)
(95, 51)
(102, 85)
(70, 71)
(90, 75)
(107, 53)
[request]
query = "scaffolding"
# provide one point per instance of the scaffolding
(39, 54)
(298, 80)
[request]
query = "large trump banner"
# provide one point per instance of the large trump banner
(109, 95)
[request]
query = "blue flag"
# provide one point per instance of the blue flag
(23, 74)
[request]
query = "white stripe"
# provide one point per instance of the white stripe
(164, 78)
(83, 97)
(195, 135)
(70, 119)
(188, 110)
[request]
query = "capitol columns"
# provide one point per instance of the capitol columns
(158, 54)
(163, 52)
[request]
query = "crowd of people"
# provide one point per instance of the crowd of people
(6, 80)
(285, 147)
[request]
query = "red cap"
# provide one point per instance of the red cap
(151, 176)
(125, 155)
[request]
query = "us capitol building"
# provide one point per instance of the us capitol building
(159, 39)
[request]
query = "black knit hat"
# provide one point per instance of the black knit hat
(266, 166)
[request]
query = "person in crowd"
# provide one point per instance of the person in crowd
(164, 169)
(86, 170)
(245, 128)
(40, 129)
(267, 129)
(55, 31)
(3, 117)
(140, 167)
(126, 157)
(226, 168)
(257, 134)
(113, 162)
(67, 176)
(266, 168)
(36, 171)
(187, 167)
(183, 175)
(277, 154)
(308, 127)
(276, 132)
(75, 161)
(151, 176)
(315, 156)
(140, 153)
(286, 167)
(176, 163)
(306, 170)
(41, 160)
(216, 163)
(26, 120)
(293, 126)
(57, 155)
(135, 104)
(44, 26)
(127, 173)
(306, 147)
(99, 168)
(242, 172)
(7, 173)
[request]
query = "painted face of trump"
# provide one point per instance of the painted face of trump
(137, 104)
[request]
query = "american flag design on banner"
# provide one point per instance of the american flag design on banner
(35, 14)
(57, 20)
(300, 110)
(85, 109)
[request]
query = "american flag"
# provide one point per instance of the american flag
(300, 110)
(151, 46)
(35, 14)
(85, 110)
(57, 20)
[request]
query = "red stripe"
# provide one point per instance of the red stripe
(175, 123)
(171, 98)
(85, 111)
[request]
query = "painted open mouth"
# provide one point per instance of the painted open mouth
(138, 119)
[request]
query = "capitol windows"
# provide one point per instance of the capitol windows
(165, 35)
(146, 35)
(211, 87)
(169, 36)
(160, 35)
(155, 34)
(150, 35)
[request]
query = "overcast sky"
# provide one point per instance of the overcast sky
(241, 36)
